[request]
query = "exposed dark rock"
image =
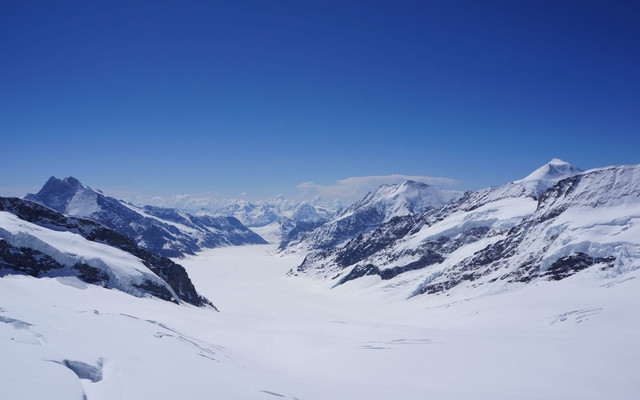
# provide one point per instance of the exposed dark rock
(34, 263)
(84, 370)
(521, 245)
(297, 230)
(217, 231)
(155, 290)
(358, 250)
(92, 275)
(569, 265)
(359, 271)
(364, 246)
(373, 210)
(14, 260)
(425, 260)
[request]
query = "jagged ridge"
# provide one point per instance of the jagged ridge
(36, 263)
(550, 225)
(167, 232)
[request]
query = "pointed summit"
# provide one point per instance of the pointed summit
(556, 168)
(67, 196)
(413, 185)
(548, 175)
(68, 184)
(387, 202)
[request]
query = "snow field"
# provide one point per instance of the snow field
(296, 338)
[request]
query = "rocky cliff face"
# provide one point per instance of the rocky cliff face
(38, 241)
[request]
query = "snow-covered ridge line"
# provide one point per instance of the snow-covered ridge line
(119, 270)
(375, 209)
(555, 222)
(164, 231)
(39, 241)
(256, 214)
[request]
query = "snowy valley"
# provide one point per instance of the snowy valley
(279, 337)
(527, 290)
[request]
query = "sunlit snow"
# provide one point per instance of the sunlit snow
(293, 338)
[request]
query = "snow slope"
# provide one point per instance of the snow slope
(125, 271)
(548, 175)
(40, 242)
(500, 235)
(291, 338)
(590, 220)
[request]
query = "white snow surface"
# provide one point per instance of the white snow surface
(503, 213)
(600, 217)
(69, 248)
(83, 203)
(406, 198)
(548, 175)
(272, 233)
(293, 338)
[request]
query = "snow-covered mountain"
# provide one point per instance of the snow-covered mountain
(553, 223)
(386, 203)
(591, 219)
(274, 219)
(561, 266)
(40, 242)
(263, 213)
(164, 231)
(546, 176)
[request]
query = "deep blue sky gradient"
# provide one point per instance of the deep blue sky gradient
(186, 97)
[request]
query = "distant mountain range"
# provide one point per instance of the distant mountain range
(412, 237)
(164, 231)
(274, 219)
(262, 213)
(554, 223)
(386, 203)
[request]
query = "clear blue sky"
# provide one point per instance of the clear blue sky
(186, 97)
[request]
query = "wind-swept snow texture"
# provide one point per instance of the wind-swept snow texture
(292, 338)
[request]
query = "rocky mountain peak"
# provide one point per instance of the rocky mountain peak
(59, 194)
(164, 231)
(72, 181)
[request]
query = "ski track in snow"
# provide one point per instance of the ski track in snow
(294, 338)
